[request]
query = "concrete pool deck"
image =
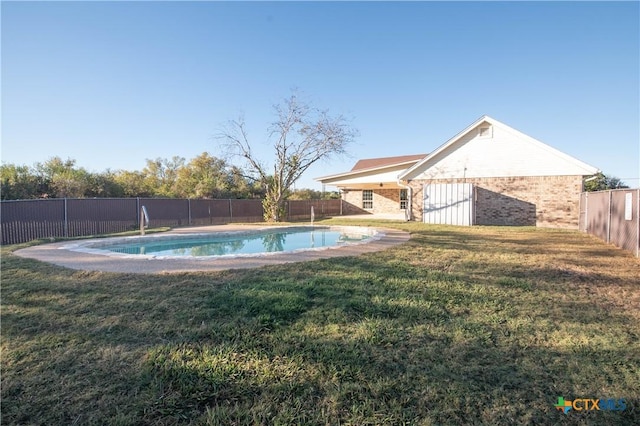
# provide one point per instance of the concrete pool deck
(56, 253)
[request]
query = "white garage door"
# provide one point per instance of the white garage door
(448, 204)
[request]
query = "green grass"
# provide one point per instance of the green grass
(477, 325)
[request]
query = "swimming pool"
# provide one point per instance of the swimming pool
(242, 243)
(86, 255)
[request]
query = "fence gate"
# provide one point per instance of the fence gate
(448, 204)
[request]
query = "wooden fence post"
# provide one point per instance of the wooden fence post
(137, 218)
(637, 222)
(609, 218)
(66, 219)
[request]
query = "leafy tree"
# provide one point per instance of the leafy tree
(203, 177)
(104, 184)
(132, 184)
(161, 174)
(601, 182)
(72, 184)
(54, 166)
(62, 178)
(18, 182)
(300, 136)
(241, 186)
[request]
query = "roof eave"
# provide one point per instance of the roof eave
(364, 171)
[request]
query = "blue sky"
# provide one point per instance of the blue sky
(111, 84)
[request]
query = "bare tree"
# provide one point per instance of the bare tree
(301, 135)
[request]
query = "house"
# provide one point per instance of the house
(488, 174)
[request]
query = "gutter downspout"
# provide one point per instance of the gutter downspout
(408, 213)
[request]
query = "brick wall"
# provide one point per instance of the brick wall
(353, 202)
(494, 208)
(548, 201)
(385, 201)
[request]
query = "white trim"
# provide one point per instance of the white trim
(364, 171)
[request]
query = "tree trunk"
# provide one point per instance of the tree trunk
(273, 206)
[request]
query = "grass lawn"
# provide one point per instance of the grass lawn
(480, 325)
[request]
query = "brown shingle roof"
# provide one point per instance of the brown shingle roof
(369, 163)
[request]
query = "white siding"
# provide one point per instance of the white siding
(448, 204)
(507, 153)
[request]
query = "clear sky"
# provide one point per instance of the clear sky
(111, 84)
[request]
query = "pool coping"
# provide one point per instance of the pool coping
(58, 254)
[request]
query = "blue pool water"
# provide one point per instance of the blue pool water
(267, 241)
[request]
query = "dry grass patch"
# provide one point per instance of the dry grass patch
(458, 326)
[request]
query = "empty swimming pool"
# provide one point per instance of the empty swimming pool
(244, 243)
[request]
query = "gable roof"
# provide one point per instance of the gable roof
(577, 166)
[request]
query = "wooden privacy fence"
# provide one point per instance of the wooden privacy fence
(26, 220)
(613, 216)
(301, 209)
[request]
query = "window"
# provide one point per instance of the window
(484, 132)
(367, 198)
(403, 199)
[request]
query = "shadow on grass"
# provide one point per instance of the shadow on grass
(422, 334)
(369, 348)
